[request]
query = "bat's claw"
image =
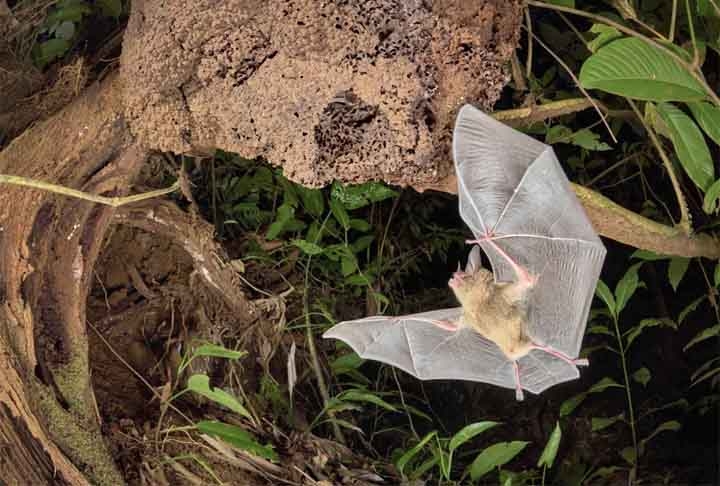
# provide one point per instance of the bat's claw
(519, 395)
(581, 362)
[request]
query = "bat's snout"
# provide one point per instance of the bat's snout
(457, 279)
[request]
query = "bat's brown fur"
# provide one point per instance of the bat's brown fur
(497, 311)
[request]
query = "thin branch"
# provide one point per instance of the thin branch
(673, 21)
(577, 82)
(625, 30)
(66, 191)
(696, 52)
(617, 223)
(528, 61)
(684, 213)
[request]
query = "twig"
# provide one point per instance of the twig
(612, 168)
(684, 213)
(528, 61)
(577, 82)
(67, 191)
(673, 19)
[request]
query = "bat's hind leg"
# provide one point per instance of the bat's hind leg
(561, 355)
(519, 395)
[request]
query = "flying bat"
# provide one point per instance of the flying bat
(521, 325)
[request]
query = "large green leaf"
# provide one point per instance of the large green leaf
(495, 456)
(200, 384)
(631, 67)
(689, 145)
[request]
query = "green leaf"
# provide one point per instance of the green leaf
(237, 437)
(716, 275)
(362, 243)
(710, 202)
(348, 265)
(603, 385)
(690, 146)
(200, 384)
(605, 34)
(676, 271)
(285, 214)
(589, 140)
(360, 225)
(626, 287)
(628, 453)
(642, 376)
(412, 452)
(470, 431)
(65, 30)
(569, 405)
(71, 11)
(599, 423)
(547, 458)
(308, 247)
(46, 52)
(359, 280)
(110, 8)
(345, 362)
(659, 77)
(669, 426)
(691, 307)
(648, 256)
(604, 293)
(703, 335)
(495, 456)
(636, 331)
(362, 396)
(217, 351)
(340, 214)
(312, 200)
(358, 196)
(708, 117)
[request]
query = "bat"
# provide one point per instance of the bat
(521, 325)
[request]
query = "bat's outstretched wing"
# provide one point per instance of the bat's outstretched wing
(517, 200)
(419, 347)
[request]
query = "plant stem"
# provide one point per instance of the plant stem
(684, 213)
(67, 191)
(529, 60)
(631, 410)
(696, 53)
(673, 19)
(322, 386)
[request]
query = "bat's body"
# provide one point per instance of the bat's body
(497, 311)
(520, 326)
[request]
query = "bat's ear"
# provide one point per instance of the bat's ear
(474, 263)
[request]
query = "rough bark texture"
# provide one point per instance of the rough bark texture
(338, 89)
(48, 245)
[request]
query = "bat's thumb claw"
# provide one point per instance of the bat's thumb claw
(581, 362)
(519, 395)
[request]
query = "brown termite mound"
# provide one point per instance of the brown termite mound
(328, 90)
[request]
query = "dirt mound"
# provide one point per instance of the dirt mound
(329, 90)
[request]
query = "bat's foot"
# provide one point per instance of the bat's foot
(562, 356)
(519, 395)
(446, 325)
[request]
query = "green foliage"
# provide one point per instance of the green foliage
(64, 23)
(615, 69)
(237, 437)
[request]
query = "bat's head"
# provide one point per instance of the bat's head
(476, 285)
